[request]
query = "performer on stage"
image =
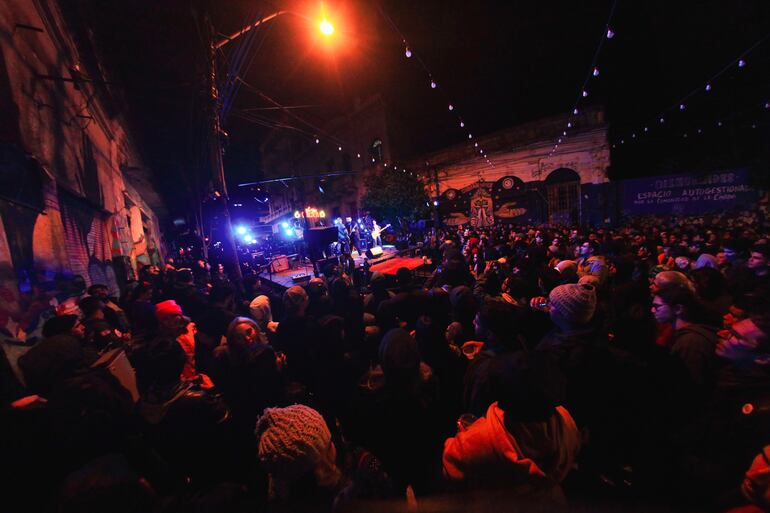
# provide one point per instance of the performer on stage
(377, 232)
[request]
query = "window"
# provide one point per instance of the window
(375, 150)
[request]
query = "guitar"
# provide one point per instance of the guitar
(377, 231)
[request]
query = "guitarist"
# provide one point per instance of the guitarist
(377, 232)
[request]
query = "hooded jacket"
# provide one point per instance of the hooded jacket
(530, 455)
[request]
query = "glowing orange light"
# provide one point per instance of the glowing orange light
(326, 27)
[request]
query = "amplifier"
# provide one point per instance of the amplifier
(374, 252)
(280, 264)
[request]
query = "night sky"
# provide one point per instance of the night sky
(501, 63)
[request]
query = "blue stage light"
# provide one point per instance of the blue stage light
(284, 225)
(240, 230)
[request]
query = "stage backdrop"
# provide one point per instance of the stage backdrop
(689, 193)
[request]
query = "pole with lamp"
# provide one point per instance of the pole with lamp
(327, 29)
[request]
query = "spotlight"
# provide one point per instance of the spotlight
(284, 225)
(241, 230)
(248, 238)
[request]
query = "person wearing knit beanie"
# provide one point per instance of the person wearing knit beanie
(167, 309)
(293, 442)
(573, 304)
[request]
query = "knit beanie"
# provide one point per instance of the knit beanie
(166, 309)
(291, 440)
(573, 302)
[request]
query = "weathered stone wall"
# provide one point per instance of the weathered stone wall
(56, 130)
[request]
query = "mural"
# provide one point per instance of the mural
(482, 204)
(481, 208)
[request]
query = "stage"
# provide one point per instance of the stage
(299, 274)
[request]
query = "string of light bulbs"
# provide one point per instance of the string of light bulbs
(410, 53)
(593, 73)
(739, 63)
(702, 128)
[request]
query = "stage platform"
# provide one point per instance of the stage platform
(285, 279)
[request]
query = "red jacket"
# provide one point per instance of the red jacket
(532, 453)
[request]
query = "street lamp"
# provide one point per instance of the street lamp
(326, 27)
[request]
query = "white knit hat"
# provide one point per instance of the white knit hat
(291, 440)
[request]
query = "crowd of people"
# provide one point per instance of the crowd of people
(535, 368)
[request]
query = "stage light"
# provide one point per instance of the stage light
(462, 125)
(318, 141)
(432, 84)
(610, 33)
(289, 233)
(585, 93)
(297, 215)
(708, 87)
(241, 230)
(284, 224)
(451, 107)
(681, 106)
(435, 203)
(596, 72)
(248, 238)
(408, 52)
(741, 63)
(575, 111)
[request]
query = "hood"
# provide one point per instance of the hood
(524, 453)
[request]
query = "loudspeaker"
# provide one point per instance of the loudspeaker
(280, 264)
(374, 252)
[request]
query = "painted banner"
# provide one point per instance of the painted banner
(689, 193)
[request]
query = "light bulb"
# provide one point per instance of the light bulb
(432, 84)
(681, 106)
(462, 125)
(767, 105)
(339, 148)
(575, 111)
(569, 125)
(719, 123)
(559, 139)
(646, 129)
(596, 72)
(408, 52)
(358, 155)
(317, 141)
(585, 93)
(564, 133)
(708, 87)
(662, 121)
(633, 136)
(741, 63)
(476, 145)
(470, 136)
(610, 33)
(451, 107)
(700, 131)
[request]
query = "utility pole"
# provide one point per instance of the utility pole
(217, 166)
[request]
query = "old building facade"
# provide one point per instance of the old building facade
(525, 180)
(75, 197)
